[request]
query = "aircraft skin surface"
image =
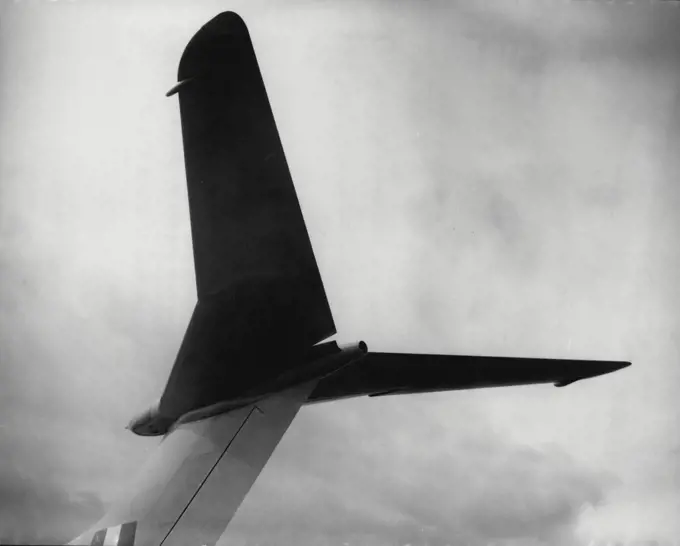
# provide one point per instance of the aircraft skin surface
(254, 351)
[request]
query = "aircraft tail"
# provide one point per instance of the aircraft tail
(247, 226)
(261, 301)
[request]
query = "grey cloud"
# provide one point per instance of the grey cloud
(403, 478)
(37, 505)
(504, 217)
(35, 508)
(345, 472)
(57, 420)
(590, 31)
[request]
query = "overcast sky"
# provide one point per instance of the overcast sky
(477, 177)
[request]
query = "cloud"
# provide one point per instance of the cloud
(34, 507)
(51, 450)
(442, 119)
(408, 476)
